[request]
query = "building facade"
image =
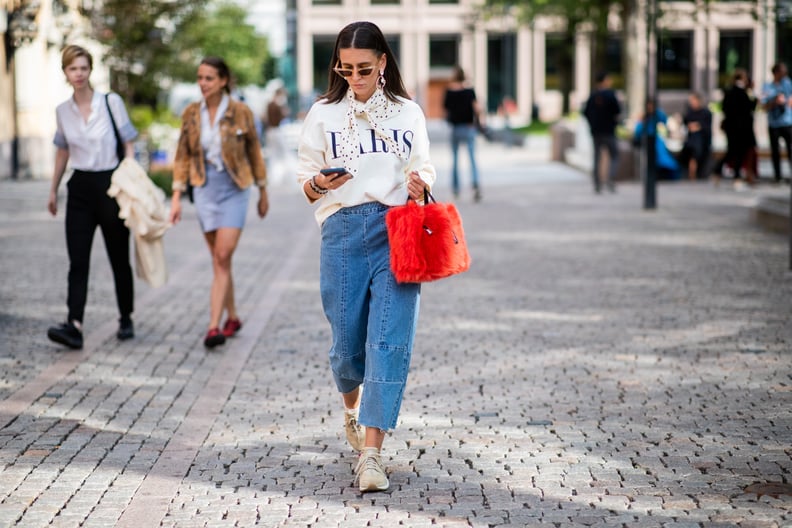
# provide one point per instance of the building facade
(699, 45)
(32, 83)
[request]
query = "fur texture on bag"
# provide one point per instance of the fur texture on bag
(426, 242)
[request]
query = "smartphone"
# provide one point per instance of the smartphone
(335, 172)
(340, 171)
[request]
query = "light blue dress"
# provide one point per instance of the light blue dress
(220, 202)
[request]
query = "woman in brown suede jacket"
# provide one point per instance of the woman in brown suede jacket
(219, 153)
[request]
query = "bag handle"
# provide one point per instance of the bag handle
(427, 197)
(120, 150)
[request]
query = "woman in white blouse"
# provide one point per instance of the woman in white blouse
(86, 138)
(365, 125)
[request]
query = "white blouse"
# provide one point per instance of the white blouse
(92, 144)
(210, 133)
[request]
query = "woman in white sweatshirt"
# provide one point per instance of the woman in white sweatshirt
(366, 125)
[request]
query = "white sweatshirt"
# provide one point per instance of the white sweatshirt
(382, 175)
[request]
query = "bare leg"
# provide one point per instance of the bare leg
(352, 399)
(692, 169)
(374, 437)
(222, 244)
(230, 302)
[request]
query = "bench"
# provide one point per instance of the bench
(762, 153)
(772, 213)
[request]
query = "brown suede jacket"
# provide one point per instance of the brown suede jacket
(240, 148)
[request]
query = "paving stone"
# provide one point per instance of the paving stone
(598, 366)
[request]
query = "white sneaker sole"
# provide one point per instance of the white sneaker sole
(374, 484)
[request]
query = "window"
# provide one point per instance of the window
(384, 2)
(613, 61)
(443, 51)
(322, 53)
(673, 61)
(326, 2)
(783, 32)
(734, 51)
(443, 1)
(559, 58)
(394, 41)
(502, 65)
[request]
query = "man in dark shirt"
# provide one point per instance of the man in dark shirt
(462, 110)
(738, 123)
(698, 143)
(601, 111)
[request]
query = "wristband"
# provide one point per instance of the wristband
(316, 188)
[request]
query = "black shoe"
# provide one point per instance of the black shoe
(476, 195)
(66, 334)
(126, 330)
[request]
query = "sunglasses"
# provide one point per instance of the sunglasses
(363, 72)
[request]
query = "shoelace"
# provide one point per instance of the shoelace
(352, 423)
(365, 463)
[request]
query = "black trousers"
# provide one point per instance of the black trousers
(609, 142)
(776, 133)
(738, 147)
(87, 207)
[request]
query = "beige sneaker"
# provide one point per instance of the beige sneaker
(370, 473)
(355, 433)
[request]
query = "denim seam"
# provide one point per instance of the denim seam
(344, 293)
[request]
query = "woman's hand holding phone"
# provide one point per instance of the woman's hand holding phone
(333, 177)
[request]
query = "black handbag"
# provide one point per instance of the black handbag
(482, 129)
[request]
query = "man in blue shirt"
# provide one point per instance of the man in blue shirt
(777, 100)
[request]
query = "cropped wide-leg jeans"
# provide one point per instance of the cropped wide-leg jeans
(373, 318)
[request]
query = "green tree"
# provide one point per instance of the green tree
(138, 36)
(222, 31)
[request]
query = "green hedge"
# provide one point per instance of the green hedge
(162, 179)
(536, 127)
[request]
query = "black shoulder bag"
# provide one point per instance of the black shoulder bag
(120, 149)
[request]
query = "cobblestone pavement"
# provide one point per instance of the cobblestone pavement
(599, 366)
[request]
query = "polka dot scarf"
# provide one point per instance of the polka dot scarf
(377, 109)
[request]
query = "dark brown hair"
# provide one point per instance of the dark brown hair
(458, 74)
(223, 71)
(364, 35)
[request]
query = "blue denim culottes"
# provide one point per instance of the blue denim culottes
(373, 318)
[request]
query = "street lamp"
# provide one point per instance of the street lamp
(650, 127)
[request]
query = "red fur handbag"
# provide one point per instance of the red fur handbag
(426, 241)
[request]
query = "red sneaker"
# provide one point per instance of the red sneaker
(214, 337)
(231, 327)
